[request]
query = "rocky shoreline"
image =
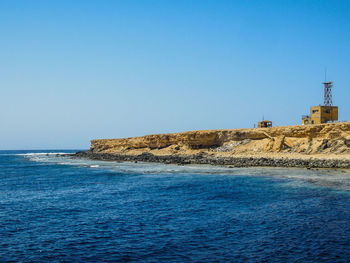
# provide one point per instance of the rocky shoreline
(203, 158)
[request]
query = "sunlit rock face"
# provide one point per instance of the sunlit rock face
(331, 138)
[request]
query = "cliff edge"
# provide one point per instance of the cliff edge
(331, 138)
(323, 145)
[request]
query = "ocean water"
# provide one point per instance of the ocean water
(57, 209)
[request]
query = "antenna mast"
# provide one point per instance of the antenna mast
(328, 93)
(327, 90)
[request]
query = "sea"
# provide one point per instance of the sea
(54, 208)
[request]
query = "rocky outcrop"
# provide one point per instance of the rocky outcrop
(311, 146)
(231, 161)
(304, 139)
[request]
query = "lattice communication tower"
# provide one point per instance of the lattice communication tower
(328, 93)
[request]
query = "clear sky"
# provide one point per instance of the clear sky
(72, 71)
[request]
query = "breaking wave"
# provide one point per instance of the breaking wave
(42, 153)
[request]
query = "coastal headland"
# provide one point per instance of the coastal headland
(310, 146)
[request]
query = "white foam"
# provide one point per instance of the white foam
(41, 154)
(323, 177)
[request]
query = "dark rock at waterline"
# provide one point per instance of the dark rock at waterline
(212, 160)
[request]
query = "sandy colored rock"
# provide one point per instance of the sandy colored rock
(309, 140)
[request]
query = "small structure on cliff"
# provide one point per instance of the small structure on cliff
(323, 113)
(264, 124)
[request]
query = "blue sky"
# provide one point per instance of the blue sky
(72, 71)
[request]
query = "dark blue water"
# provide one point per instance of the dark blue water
(54, 210)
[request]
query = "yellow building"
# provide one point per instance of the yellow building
(321, 114)
(325, 113)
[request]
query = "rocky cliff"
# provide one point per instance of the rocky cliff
(303, 139)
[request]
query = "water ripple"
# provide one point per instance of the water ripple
(117, 212)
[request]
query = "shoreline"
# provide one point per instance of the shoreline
(203, 158)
